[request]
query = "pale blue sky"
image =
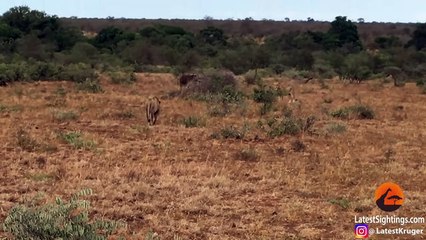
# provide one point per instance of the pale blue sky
(370, 10)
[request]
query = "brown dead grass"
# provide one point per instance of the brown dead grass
(179, 181)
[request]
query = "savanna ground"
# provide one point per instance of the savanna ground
(179, 181)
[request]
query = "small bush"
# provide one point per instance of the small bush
(357, 111)
(59, 220)
(265, 108)
(298, 146)
(232, 132)
(264, 95)
(342, 113)
(9, 109)
(25, 141)
(193, 121)
(120, 77)
(362, 112)
(420, 82)
(219, 110)
(65, 116)
(288, 126)
(335, 128)
(90, 86)
(78, 73)
(76, 140)
(343, 203)
(249, 155)
(125, 114)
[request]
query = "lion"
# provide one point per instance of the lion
(152, 109)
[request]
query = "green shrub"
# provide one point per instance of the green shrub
(362, 112)
(265, 108)
(59, 220)
(90, 86)
(219, 110)
(232, 132)
(264, 95)
(193, 121)
(342, 113)
(288, 126)
(335, 128)
(358, 111)
(420, 82)
(78, 73)
(120, 77)
(76, 140)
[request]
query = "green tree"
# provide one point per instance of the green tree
(27, 20)
(346, 32)
(213, 36)
(67, 37)
(109, 37)
(418, 39)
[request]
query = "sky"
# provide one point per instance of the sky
(324, 10)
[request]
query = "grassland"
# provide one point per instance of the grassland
(179, 181)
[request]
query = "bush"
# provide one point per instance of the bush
(90, 86)
(420, 82)
(249, 155)
(264, 95)
(193, 121)
(59, 220)
(335, 128)
(298, 146)
(78, 73)
(288, 126)
(65, 116)
(76, 140)
(357, 111)
(219, 110)
(232, 132)
(120, 77)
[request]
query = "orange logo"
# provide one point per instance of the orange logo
(389, 197)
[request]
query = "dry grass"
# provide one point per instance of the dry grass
(179, 181)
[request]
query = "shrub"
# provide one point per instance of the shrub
(248, 154)
(213, 82)
(335, 128)
(78, 73)
(59, 220)
(298, 146)
(90, 86)
(288, 126)
(362, 112)
(120, 77)
(232, 132)
(65, 116)
(342, 113)
(357, 111)
(193, 121)
(219, 110)
(25, 141)
(264, 95)
(420, 82)
(76, 140)
(125, 114)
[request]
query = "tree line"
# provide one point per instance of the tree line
(35, 45)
